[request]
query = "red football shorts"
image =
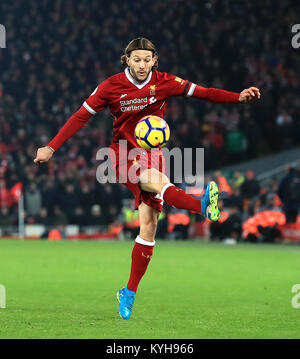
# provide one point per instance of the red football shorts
(128, 166)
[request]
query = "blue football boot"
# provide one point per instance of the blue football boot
(126, 300)
(209, 202)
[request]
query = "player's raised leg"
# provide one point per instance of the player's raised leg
(140, 258)
(151, 180)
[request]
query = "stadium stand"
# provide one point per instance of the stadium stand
(59, 55)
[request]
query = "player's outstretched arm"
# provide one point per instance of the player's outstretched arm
(73, 125)
(223, 96)
(180, 87)
(95, 103)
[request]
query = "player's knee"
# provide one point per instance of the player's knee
(152, 187)
(153, 181)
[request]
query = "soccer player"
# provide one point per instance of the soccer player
(138, 91)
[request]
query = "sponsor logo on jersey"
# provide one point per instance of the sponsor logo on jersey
(136, 104)
(152, 100)
(133, 101)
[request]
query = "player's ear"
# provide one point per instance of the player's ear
(127, 60)
(154, 59)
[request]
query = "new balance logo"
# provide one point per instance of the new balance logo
(124, 94)
(148, 256)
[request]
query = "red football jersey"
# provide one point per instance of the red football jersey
(129, 101)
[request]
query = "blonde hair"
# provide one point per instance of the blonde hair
(139, 43)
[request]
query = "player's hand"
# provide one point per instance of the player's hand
(249, 94)
(43, 154)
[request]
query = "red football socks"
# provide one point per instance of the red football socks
(140, 258)
(176, 197)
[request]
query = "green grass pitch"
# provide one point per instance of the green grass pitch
(67, 289)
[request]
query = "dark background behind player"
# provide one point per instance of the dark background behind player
(57, 51)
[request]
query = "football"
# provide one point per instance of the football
(152, 132)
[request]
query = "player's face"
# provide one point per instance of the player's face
(140, 63)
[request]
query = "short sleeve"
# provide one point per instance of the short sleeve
(98, 99)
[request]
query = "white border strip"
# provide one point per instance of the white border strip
(134, 82)
(191, 90)
(86, 106)
(140, 240)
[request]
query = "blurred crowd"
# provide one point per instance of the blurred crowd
(58, 51)
(250, 210)
(254, 211)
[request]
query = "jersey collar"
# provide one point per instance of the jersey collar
(134, 82)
